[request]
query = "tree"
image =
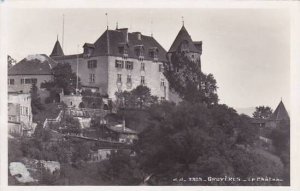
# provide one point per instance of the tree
(121, 169)
(99, 128)
(70, 125)
(10, 62)
(36, 104)
(262, 112)
(247, 133)
(192, 140)
(81, 150)
(64, 78)
(187, 80)
(42, 134)
(181, 140)
(91, 100)
(138, 98)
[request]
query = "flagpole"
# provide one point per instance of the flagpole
(77, 70)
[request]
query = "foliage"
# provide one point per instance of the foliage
(140, 98)
(136, 119)
(262, 112)
(47, 177)
(14, 152)
(99, 129)
(251, 164)
(36, 104)
(64, 78)
(41, 134)
(247, 133)
(51, 112)
(80, 152)
(191, 140)
(121, 169)
(70, 125)
(187, 80)
(281, 141)
(91, 100)
(10, 62)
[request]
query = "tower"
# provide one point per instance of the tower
(184, 44)
(57, 50)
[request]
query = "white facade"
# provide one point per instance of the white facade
(19, 113)
(145, 72)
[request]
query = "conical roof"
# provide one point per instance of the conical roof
(280, 113)
(57, 50)
(183, 35)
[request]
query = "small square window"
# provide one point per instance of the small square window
(92, 78)
(119, 77)
(129, 80)
(11, 81)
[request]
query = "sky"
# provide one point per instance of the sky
(247, 50)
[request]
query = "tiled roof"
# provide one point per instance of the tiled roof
(57, 50)
(280, 113)
(103, 46)
(89, 45)
(39, 64)
(117, 38)
(183, 35)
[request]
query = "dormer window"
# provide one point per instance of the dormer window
(139, 52)
(139, 36)
(153, 53)
(88, 49)
(123, 49)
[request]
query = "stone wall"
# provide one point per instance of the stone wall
(71, 100)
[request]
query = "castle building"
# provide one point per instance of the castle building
(184, 45)
(119, 61)
(279, 118)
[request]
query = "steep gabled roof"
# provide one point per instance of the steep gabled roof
(280, 113)
(183, 35)
(115, 38)
(110, 41)
(39, 64)
(57, 50)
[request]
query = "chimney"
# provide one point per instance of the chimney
(138, 35)
(125, 33)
